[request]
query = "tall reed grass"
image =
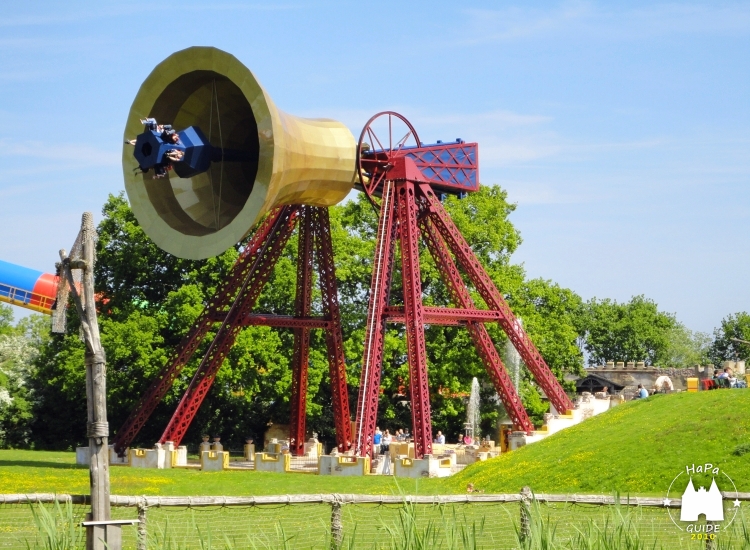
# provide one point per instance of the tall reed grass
(621, 528)
(57, 528)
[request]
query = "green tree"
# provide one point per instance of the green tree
(6, 319)
(149, 300)
(723, 348)
(19, 347)
(687, 348)
(631, 331)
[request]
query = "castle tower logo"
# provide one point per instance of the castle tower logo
(703, 513)
(695, 503)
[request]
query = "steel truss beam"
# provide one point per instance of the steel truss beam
(481, 338)
(419, 391)
(187, 347)
(408, 205)
(444, 315)
(278, 321)
(492, 297)
(231, 307)
(227, 333)
(380, 285)
(333, 335)
(302, 306)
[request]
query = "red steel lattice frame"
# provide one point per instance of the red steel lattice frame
(415, 200)
(334, 337)
(492, 297)
(419, 391)
(382, 271)
(481, 338)
(232, 306)
(301, 355)
(226, 335)
(189, 344)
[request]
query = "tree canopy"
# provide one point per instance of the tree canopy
(723, 348)
(630, 331)
(149, 300)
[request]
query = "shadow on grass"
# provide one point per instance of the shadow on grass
(41, 464)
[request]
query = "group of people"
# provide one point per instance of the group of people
(726, 378)
(382, 440)
(168, 135)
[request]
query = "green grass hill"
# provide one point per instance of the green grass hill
(635, 448)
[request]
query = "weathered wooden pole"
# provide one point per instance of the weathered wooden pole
(100, 534)
(97, 428)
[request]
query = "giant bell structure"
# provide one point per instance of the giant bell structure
(218, 163)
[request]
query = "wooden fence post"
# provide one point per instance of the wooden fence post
(525, 525)
(337, 527)
(142, 527)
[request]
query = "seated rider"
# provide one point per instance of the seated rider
(175, 155)
(168, 134)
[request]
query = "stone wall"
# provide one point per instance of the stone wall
(631, 375)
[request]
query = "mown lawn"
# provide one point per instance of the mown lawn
(636, 448)
(56, 472)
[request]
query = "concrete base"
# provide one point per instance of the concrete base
(345, 465)
(149, 458)
(249, 452)
(325, 465)
(179, 457)
(82, 456)
(114, 459)
(429, 466)
(214, 461)
(160, 457)
(268, 462)
(452, 457)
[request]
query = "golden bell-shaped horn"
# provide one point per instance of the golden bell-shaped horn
(275, 159)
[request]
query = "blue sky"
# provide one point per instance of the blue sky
(621, 130)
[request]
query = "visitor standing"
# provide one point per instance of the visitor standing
(376, 439)
(385, 442)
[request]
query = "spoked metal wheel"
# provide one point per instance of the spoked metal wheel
(386, 136)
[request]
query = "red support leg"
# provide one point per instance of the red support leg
(302, 307)
(491, 295)
(225, 337)
(482, 341)
(413, 309)
(372, 361)
(334, 338)
(182, 354)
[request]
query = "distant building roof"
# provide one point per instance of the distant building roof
(593, 383)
